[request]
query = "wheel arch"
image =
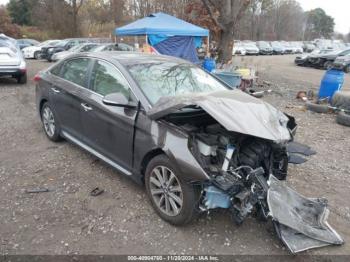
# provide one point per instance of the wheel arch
(41, 104)
(147, 158)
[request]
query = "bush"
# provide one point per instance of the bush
(33, 33)
(6, 26)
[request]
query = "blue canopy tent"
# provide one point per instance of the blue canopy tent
(167, 34)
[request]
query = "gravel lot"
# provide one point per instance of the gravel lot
(67, 220)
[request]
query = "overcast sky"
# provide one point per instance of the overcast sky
(339, 9)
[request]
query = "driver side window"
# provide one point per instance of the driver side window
(106, 79)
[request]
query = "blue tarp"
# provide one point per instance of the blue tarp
(161, 24)
(156, 39)
(179, 46)
(168, 35)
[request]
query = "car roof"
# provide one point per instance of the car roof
(130, 58)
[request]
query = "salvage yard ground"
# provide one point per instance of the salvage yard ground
(67, 220)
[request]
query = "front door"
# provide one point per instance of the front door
(109, 129)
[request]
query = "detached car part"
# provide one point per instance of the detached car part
(302, 222)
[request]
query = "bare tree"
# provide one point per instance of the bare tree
(226, 14)
(75, 7)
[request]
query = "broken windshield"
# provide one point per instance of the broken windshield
(159, 79)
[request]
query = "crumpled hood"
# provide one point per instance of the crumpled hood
(234, 110)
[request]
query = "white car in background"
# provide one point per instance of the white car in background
(251, 48)
(31, 52)
(238, 49)
(12, 63)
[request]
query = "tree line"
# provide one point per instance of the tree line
(226, 19)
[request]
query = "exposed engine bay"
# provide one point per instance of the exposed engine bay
(241, 168)
(239, 165)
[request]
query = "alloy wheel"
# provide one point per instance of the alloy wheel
(48, 121)
(166, 191)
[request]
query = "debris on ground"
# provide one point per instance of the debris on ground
(96, 192)
(317, 108)
(301, 222)
(37, 190)
(343, 119)
(302, 95)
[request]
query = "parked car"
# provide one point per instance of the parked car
(308, 47)
(287, 48)
(238, 49)
(12, 63)
(297, 47)
(170, 126)
(307, 59)
(75, 49)
(264, 48)
(66, 44)
(277, 48)
(342, 63)
(250, 48)
(325, 61)
(117, 47)
(31, 52)
(22, 43)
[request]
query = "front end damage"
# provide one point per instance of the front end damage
(246, 178)
(241, 142)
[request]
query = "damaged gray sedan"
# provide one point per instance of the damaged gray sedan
(193, 142)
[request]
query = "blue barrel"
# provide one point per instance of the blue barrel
(233, 79)
(209, 64)
(332, 81)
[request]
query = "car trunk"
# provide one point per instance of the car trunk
(8, 57)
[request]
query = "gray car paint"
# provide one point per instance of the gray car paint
(234, 110)
(128, 137)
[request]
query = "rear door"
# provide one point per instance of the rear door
(66, 92)
(109, 129)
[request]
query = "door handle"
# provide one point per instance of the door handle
(55, 90)
(86, 107)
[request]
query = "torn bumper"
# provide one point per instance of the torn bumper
(300, 222)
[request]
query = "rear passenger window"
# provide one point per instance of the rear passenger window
(106, 79)
(56, 70)
(75, 71)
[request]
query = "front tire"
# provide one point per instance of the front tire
(347, 69)
(328, 65)
(50, 125)
(174, 200)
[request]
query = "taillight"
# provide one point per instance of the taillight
(37, 78)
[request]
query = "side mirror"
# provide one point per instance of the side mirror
(119, 100)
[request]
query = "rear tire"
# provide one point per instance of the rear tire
(22, 79)
(37, 55)
(177, 192)
(50, 124)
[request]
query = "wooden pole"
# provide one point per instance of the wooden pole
(208, 47)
